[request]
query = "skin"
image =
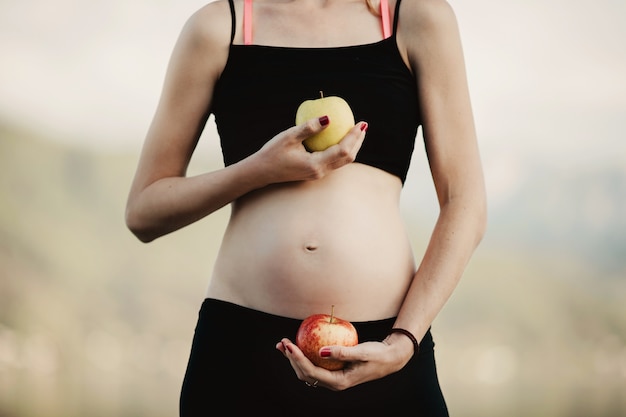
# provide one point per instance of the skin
(325, 202)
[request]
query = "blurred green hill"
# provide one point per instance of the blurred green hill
(94, 323)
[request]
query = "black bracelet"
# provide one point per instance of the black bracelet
(416, 345)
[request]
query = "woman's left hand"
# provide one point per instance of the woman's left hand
(366, 361)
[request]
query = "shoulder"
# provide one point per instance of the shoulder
(210, 25)
(425, 25)
(204, 40)
(419, 17)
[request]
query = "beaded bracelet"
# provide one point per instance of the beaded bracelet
(416, 345)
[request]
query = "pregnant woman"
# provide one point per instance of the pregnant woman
(308, 230)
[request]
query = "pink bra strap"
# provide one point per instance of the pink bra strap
(384, 13)
(247, 22)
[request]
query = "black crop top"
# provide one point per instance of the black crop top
(261, 87)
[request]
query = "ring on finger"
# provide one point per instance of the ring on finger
(314, 384)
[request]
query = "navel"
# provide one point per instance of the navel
(311, 247)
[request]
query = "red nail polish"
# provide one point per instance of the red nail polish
(364, 127)
(324, 120)
(287, 348)
(325, 352)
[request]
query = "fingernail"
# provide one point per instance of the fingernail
(364, 127)
(324, 120)
(325, 352)
(287, 347)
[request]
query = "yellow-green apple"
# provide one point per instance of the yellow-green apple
(319, 330)
(339, 113)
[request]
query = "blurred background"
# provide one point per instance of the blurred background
(94, 323)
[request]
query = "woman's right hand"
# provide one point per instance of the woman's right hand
(284, 158)
(163, 199)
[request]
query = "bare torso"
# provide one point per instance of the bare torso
(296, 249)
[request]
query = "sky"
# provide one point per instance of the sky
(548, 79)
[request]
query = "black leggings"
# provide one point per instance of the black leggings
(234, 369)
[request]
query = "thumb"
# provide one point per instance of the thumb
(313, 126)
(341, 353)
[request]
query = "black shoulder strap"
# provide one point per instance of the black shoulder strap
(234, 20)
(395, 16)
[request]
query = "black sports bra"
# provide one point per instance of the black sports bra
(261, 87)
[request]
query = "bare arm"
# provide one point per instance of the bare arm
(162, 198)
(428, 33)
(436, 55)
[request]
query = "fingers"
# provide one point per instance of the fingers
(311, 127)
(292, 352)
(350, 143)
(346, 150)
(301, 364)
(365, 362)
(288, 160)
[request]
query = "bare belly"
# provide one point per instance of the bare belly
(297, 249)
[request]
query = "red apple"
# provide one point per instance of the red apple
(319, 330)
